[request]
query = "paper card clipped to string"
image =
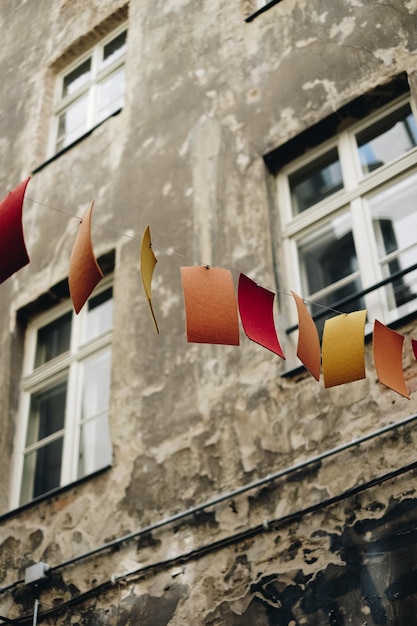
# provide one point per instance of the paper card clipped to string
(13, 253)
(343, 348)
(388, 346)
(210, 305)
(256, 313)
(308, 346)
(147, 266)
(84, 271)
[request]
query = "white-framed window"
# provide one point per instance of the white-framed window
(349, 219)
(63, 432)
(88, 91)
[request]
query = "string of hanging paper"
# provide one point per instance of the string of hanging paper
(212, 307)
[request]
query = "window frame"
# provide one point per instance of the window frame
(351, 198)
(88, 89)
(66, 366)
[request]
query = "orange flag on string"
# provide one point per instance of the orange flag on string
(84, 271)
(147, 266)
(388, 346)
(210, 305)
(256, 312)
(13, 253)
(343, 348)
(308, 347)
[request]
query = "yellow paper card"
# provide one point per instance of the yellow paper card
(343, 348)
(147, 266)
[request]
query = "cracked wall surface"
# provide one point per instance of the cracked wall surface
(208, 95)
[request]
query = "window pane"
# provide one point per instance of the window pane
(72, 123)
(95, 446)
(111, 95)
(96, 385)
(114, 50)
(387, 139)
(315, 181)
(53, 339)
(95, 442)
(100, 314)
(394, 219)
(329, 266)
(77, 78)
(47, 413)
(41, 470)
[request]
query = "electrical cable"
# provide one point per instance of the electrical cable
(229, 495)
(216, 545)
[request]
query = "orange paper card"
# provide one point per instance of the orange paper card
(388, 346)
(147, 266)
(210, 305)
(13, 253)
(308, 347)
(256, 313)
(343, 348)
(84, 272)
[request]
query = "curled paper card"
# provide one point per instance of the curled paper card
(147, 266)
(256, 313)
(13, 253)
(414, 346)
(210, 305)
(84, 272)
(308, 347)
(343, 348)
(388, 346)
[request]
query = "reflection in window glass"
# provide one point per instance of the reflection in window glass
(96, 385)
(42, 460)
(387, 139)
(329, 265)
(95, 446)
(394, 220)
(72, 123)
(41, 470)
(315, 181)
(110, 96)
(47, 413)
(100, 314)
(53, 339)
(95, 442)
(114, 49)
(77, 78)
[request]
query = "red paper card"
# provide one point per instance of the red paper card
(84, 272)
(13, 253)
(308, 347)
(210, 305)
(256, 313)
(388, 345)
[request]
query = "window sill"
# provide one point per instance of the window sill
(52, 494)
(267, 6)
(74, 143)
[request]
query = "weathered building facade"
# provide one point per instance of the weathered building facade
(192, 483)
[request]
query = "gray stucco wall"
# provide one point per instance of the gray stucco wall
(208, 95)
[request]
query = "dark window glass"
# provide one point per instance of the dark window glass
(53, 339)
(315, 182)
(387, 139)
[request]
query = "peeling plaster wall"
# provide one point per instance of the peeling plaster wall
(208, 95)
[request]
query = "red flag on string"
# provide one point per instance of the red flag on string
(256, 312)
(13, 253)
